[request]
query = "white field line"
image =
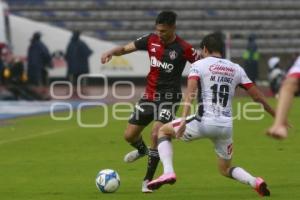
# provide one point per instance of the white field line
(32, 136)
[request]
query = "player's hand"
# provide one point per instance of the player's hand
(279, 132)
(179, 133)
(288, 125)
(106, 57)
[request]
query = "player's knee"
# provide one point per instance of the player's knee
(163, 131)
(166, 132)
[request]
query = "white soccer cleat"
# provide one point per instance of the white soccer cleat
(145, 188)
(132, 156)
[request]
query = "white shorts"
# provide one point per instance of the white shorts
(221, 136)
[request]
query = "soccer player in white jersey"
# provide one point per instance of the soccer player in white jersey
(218, 80)
(290, 86)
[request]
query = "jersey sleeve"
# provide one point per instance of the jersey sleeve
(191, 54)
(245, 81)
(194, 72)
(295, 69)
(142, 42)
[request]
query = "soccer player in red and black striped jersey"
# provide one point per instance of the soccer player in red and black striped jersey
(168, 54)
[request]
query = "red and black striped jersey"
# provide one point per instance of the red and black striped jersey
(167, 63)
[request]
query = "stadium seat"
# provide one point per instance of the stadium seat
(121, 21)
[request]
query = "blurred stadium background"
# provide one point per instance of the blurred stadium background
(274, 22)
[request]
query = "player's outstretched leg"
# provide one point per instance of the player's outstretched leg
(133, 156)
(141, 150)
(133, 136)
(168, 178)
(261, 187)
(153, 160)
(166, 155)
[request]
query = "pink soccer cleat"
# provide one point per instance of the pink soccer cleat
(169, 178)
(261, 187)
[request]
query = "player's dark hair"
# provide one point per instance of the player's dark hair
(166, 17)
(214, 42)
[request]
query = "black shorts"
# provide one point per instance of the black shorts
(146, 111)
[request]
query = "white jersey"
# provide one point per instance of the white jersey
(295, 69)
(218, 78)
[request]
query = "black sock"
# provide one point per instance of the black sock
(140, 146)
(153, 159)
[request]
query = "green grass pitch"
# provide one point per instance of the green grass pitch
(44, 159)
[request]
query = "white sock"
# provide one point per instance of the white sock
(243, 176)
(165, 151)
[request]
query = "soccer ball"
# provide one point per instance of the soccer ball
(108, 181)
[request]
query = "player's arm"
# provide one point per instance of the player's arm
(192, 54)
(191, 93)
(258, 97)
(279, 129)
(287, 91)
(118, 51)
